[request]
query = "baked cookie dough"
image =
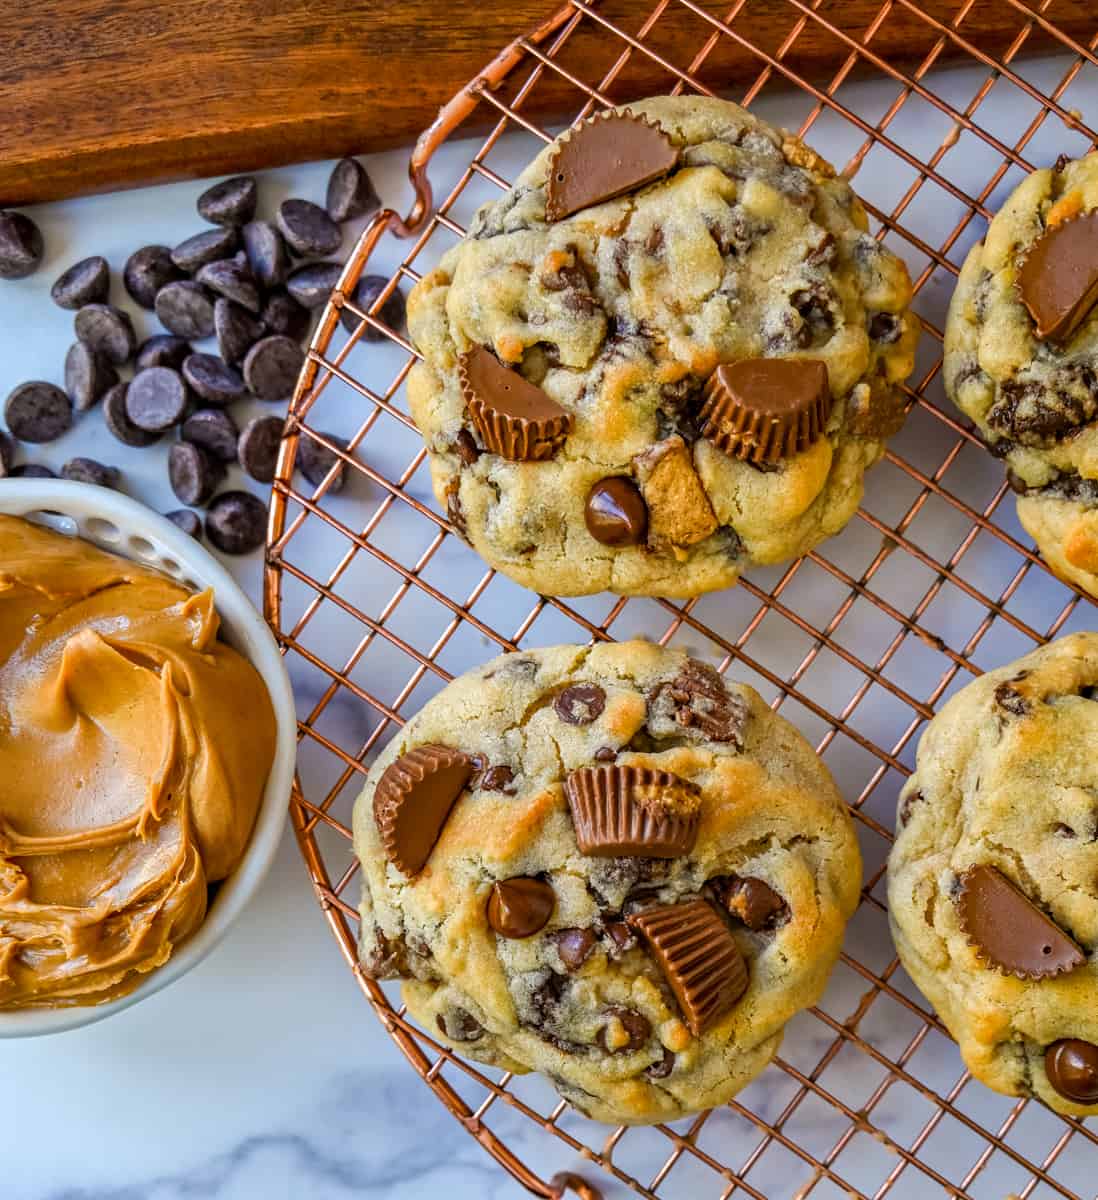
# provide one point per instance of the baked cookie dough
(608, 865)
(614, 468)
(993, 879)
(1021, 358)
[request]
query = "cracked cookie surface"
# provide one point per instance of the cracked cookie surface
(750, 247)
(583, 999)
(1007, 779)
(1035, 402)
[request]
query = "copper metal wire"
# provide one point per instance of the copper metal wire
(482, 1100)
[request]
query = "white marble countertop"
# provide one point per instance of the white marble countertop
(263, 1073)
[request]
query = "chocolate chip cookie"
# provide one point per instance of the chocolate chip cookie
(1021, 358)
(993, 879)
(670, 351)
(609, 865)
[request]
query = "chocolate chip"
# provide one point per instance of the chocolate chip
(663, 1068)
(751, 900)
(314, 461)
(907, 806)
(87, 470)
(231, 202)
(189, 522)
(236, 522)
(88, 375)
(163, 350)
(580, 704)
(520, 907)
(459, 1026)
(193, 473)
(1061, 163)
(283, 315)
(498, 779)
(1016, 483)
(21, 246)
(312, 284)
(1011, 700)
(815, 306)
(615, 513)
(266, 253)
(1034, 412)
(213, 380)
(31, 471)
(1072, 1069)
(214, 431)
(308, 229)
(272, 366)
(156, 399)
(885, 328)
(351, 193)
(619, 933)
(605, 754)
(465, 447)
(119, 424)
(545, 998)
(637, 1029)
(391, 313)
(108, 330)
(574, 946)
(1064, 831)
(226, 277)
(147, 271)
(206, 247)
(258, 447)
(86, 282)
(185, 309)
(7, 454)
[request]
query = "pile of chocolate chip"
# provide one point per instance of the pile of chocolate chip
(252, 285)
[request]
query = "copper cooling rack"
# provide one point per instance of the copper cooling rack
(378, 603)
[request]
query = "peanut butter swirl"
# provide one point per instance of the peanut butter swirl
(134, 749)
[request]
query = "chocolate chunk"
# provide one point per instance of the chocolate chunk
(213, 380)
(312, 284)
(237, 331)
(620, 935)
(107, 330)
(1008, 931)
(634, 1025)
(699, 958)
(258, 447)
(272, 366)
(514, 418)
(315, 460)
(465, 447)
(86, 282)
(147, 271)
(119, 424)
(193, 474)
(1058, 280)
(764, 409)
(236, 522)
(283, 315)
(663, 1068)
(520, 907)
(156, 399)
(885, 327)
(574, 946)
(607, 155)
(230, 202)
(189, 522)
(185, 308)
(751, 900)
(615, 512)
(1072, 1069)
(266, 252)
(87, 470)
(413, 799)
(1036, 412)
(21, 246)
(351, 193)
(633, 810)
(308, 229)
(459, 1026)
(391, 314)
(163, 350)
(698, 700)
(88, 375)
(580, 704)
(31, 471)
(498, 779)
(215, 431)
(226, 277)
(206, 247)
(1011, 700)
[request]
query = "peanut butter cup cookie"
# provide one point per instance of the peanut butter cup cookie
(609, 865)
(1022, 358)
(993, 880)
(670, 351)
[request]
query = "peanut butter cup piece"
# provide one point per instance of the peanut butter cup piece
(412, 800)
(1072, 1069)
(633, 810)
(514, 418)
(615, 513)
(519, 907)
(607, 155)
(698, 956)
(765, 409)
(1058, 280)
(1008, 931)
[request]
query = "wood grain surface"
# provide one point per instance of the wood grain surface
(102, 94)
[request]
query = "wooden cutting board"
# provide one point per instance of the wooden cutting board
(103, 94)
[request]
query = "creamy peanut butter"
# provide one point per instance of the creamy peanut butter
(134, 750)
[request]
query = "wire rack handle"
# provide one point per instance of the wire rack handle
(565, 1182)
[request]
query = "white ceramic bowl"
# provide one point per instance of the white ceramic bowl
(127, 528)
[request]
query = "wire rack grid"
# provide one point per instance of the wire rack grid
(378, 603)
